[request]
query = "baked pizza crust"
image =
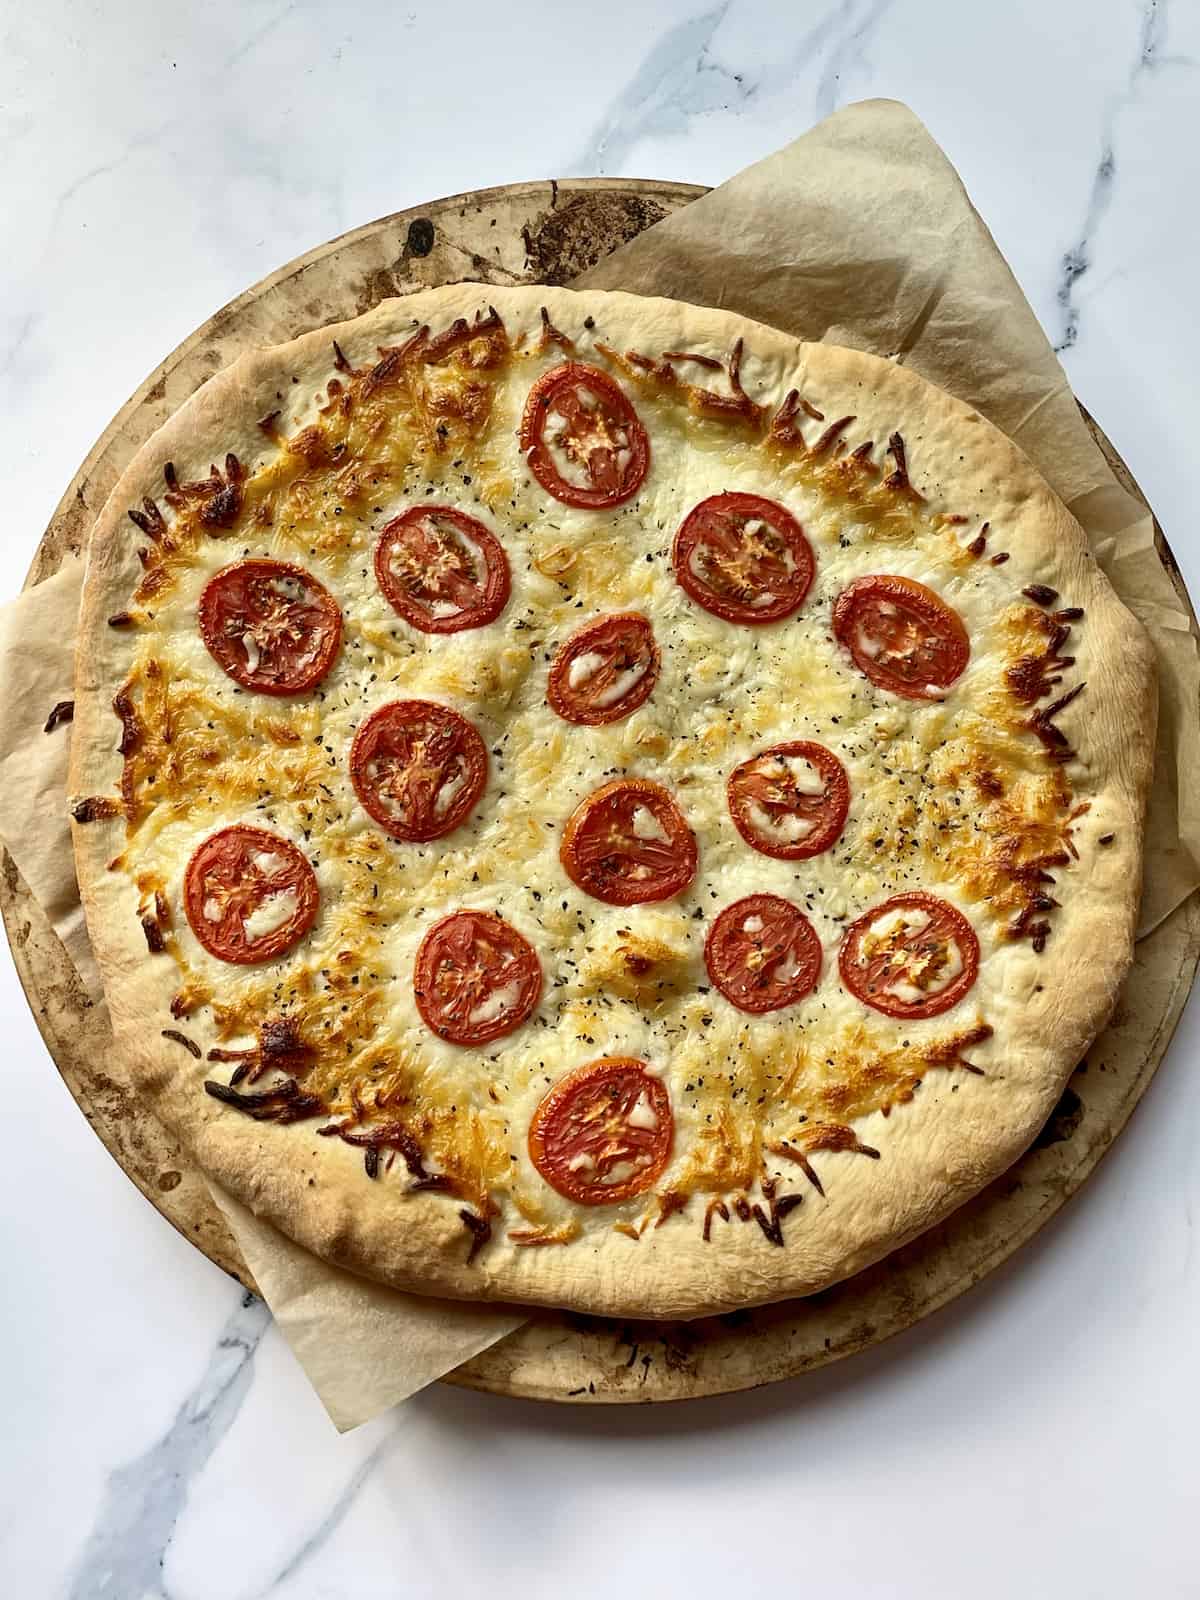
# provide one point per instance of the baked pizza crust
(938, 1150)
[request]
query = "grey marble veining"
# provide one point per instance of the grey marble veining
(677, 80)
(684, 77)
(313, 1542)
(844, 46)
(1037, 1437)
(122, 1557)
(1152, 58)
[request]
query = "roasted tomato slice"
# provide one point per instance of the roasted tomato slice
(605, 670)
(604, 1132)
(629, 843)
(762, 953)
(270, 625)
(249, 895)
(582, 437)
(902, 636)
(442, 570)
(419, 768)
(913, 956)
(475, 978)
(791, 801)
(743, 558)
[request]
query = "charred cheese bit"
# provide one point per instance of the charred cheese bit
(646, 961)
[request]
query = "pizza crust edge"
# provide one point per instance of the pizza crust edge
(940, 1150)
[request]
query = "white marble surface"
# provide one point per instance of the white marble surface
(1038, 1438)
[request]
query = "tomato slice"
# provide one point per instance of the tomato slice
(270, 625)
(419, 768)
(913, 956)
(475, 978)
(442, 570)
(605, 670)
(582, 437)
(790, 801)
(249, 895)
(743, 558)
(902, 636)
(604, 1132)
(762, 953)
(629, 843)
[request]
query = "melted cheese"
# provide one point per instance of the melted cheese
(498, 1001)
(647, 826)
(643, 1115)
(788, 827)
(882, 928)
(274, 911)
(584, 668)
(804, 776)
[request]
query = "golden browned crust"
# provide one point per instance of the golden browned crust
(869, 1180)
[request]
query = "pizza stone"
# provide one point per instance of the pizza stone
(762, 1153)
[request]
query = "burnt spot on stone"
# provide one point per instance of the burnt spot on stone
(420, 238)
(679, 1342)
(1062, 1121)
(567, 240)
(378, 284)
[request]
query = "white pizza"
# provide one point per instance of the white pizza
(585, 800)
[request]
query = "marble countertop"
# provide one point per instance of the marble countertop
(1038, 1437)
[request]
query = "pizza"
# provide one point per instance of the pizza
(584, 800)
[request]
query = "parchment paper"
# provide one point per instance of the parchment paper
(859, 233)
(36, 645)
(363, 1347)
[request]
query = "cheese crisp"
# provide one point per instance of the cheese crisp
(588, 801)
